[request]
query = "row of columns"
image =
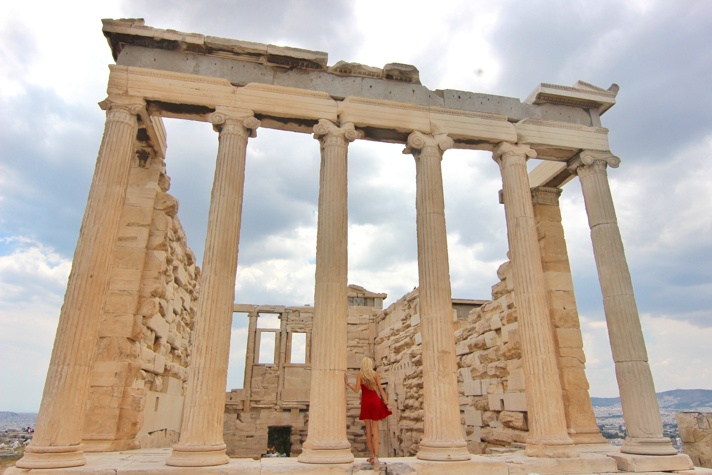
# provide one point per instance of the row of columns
(57, 441)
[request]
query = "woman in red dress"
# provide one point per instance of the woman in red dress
(373, 409)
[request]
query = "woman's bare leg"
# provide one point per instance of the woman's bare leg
(369, 441)
(374, 434)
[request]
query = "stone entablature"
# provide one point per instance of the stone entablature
(270, 81)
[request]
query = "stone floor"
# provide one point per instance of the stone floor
(152, 461)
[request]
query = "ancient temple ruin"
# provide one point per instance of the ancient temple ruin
(141, 352)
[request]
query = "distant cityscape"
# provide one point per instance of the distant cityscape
(609, 413)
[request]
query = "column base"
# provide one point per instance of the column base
(443, 452)
(592, 438)
(198, 456)
(52, 457)
(334, 453)
(551, 449)
(648, 446)
(652, 463)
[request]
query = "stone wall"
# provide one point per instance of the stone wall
(143, 350)
(276, 394)
(695, 430)
(398, 358)
(490, 377)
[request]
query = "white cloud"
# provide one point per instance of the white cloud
(32, 280)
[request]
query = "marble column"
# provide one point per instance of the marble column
(326, 439)
(635, 382)
(58, 431)
(442, 429)
(580, 419)
(201, 438)
(548, 435)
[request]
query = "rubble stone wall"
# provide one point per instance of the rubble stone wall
(695, 430)
(143, 351)
(490, 377)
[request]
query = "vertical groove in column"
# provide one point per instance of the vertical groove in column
(442, 431)
(201, 439)
(637, 390)
(548, 434)
(60, 418)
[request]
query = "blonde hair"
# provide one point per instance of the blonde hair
(368, 375)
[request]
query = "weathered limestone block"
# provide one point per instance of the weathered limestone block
(499, 289)
(695, 430)
(153, 288)
(120, 301)
(574, 379)
(121, 325)
(159, 325)
(117, 349)
(113, 373)
(133, 236)
(515, 402)
(155, 261)
(472, 388)
(568, 338)
(513, 420)
(150, 307)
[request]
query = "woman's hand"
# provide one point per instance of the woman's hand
(346, 379)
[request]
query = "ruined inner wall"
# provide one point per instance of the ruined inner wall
(491, 381)
(143, 351)
(276, 394)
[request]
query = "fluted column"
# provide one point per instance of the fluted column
(201, 438)
(548, 435)
(326, 440)
(635, 381)
(57, 439)
(442, 428)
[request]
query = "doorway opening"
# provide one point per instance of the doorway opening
(279, 440)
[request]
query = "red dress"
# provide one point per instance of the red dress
(372, 407)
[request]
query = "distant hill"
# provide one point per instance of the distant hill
(17, 420)
(680, 399)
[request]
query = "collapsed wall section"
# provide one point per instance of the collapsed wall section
(143, 351)
(269, 415)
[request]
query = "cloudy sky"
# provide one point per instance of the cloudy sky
(53, 71)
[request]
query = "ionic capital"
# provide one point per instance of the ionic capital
(505, 150)
(242, 124)
(593, 160)
(326, 130)
(418, 142)
(122, 108)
